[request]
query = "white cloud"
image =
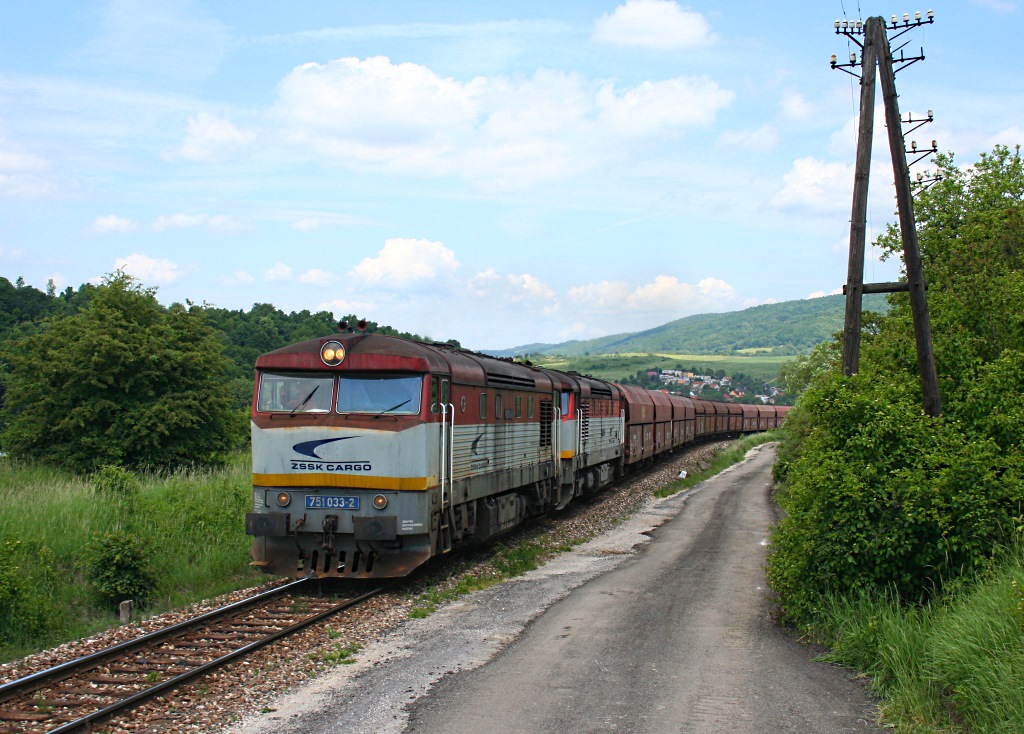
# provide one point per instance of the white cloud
(795, 106)
(172, 40)
(23, 175)
(212, 139)
(524, 289)
(148, 269)
(373, 110)
(14, 254)
(179, 221)
(661, 24)
(822, 294)
(278, 272)
(999, 6)
(404, 261)
(658, 107)
(308, 224)
(317, 277)
(59, 282)
(498, 132)
(220, 223)
(815, 187)
(763, 139)
(112, 223)
(226, 224)
(342, 307)
(239, 278)
(664, 299)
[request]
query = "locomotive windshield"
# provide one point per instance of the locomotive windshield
(377, 394)
(295, 392)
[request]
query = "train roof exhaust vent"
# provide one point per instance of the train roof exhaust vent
(346, 328)
(510, 381)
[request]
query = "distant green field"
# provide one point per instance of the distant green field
(618, 366)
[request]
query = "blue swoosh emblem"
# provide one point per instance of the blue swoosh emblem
(308, 448)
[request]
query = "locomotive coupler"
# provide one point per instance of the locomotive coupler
(330, 525)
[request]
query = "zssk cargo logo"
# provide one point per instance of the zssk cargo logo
(308, 448)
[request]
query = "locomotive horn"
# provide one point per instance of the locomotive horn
(343, 326)
(362, 325)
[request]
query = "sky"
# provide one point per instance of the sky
(501, 173)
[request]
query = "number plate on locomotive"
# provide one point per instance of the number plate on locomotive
(331, 502)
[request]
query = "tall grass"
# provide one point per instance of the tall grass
(722, 460)
(191, 523)
(956, 665)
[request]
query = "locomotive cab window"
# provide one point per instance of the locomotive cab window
(399, 394)
(435, 406)
(295, 392)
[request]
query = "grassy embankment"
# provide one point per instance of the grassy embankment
(190, 525)
(955, 665)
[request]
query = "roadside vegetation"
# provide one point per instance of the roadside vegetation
(79, 545)
(903, 542)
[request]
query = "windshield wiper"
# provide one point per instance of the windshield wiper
(307, 400)
(393, 407)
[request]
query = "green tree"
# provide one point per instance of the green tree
(124, 381)
(878, 495)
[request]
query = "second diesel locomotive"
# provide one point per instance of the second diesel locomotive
(371, 453)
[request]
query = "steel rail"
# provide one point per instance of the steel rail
(137, 698)
(66, 670)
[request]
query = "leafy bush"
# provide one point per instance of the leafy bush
(118, 568)
(884, 497)
(115, 482)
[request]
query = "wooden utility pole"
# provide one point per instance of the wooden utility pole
(858, 218)
(876, 51)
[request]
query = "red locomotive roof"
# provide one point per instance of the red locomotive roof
(376, 352)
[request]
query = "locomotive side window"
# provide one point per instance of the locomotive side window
(529, 408)
(497, 406)
(295, 392)
(444, 392)
(483, 406)
(519, 406)
(376, 394)
(565, 403)
(433, 395)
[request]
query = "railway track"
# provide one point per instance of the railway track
(79, 694)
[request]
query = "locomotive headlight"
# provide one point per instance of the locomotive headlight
(283, 499)
(332, 353)
(380, 502)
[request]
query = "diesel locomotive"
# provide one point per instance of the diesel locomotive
(372, 454)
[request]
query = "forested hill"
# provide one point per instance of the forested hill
(789, 328)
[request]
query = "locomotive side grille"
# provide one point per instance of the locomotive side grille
(547, 414)
(508, 381)
(601, 391)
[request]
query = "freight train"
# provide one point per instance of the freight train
(372, 454)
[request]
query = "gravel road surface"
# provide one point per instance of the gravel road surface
(661, 625)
